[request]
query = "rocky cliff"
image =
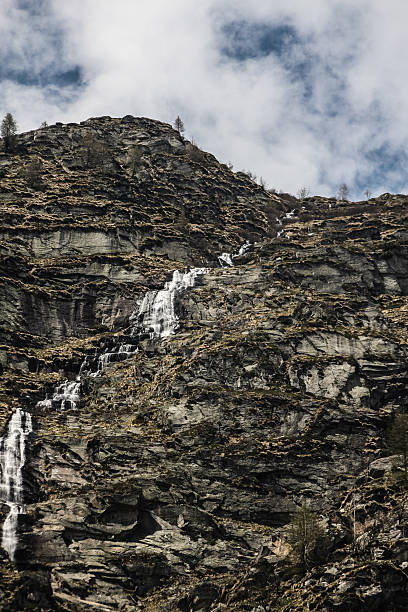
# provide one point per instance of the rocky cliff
(163, 470)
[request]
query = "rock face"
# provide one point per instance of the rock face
(169, 483)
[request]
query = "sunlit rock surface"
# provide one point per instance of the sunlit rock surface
(177, 425)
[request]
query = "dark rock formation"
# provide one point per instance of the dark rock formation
(173, 484)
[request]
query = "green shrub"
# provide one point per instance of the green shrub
(307, 539)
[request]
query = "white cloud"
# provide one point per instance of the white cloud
(309, 117)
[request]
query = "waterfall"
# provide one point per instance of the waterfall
(94, 366)
(67, 394)
(155, 316)
(12, 459)
(226, 259)
(243, 248)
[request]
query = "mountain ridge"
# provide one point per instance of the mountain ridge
(172, 484)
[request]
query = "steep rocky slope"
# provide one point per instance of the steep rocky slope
(171, 485)
(94, 233)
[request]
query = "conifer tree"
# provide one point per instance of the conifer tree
(8, 132)
(179, 125)
(306, 538)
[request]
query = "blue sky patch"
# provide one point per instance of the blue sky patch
(243, 40)
(45, 78)
(390, 169)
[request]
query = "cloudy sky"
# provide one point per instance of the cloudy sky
(301, 92)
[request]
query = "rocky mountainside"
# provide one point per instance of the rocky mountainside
(176, 431)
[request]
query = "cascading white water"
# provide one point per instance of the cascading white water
(12, 459)
(226, 259)
(67, 394)
(157, 314)
(94, 366)
(243, 248)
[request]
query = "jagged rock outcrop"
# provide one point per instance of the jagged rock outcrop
(171, 486)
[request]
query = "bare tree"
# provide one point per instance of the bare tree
(367, 194)
(343, 191)
(8, 132)
(303, 192)
(179, 125)
(250, 175)
(44, 124)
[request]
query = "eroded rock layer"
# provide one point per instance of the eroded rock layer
(172, 484)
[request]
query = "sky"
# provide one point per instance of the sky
(303, 93)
